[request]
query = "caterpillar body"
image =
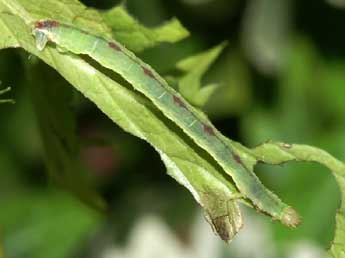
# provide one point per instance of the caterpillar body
(143, 78)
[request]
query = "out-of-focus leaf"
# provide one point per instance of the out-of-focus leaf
(55, 119)
(58, 132)
(195, 67)
(44, 224)
(6, 100)
(332, 91)
(298, 115)
(296, 89)
(337, 3)
(185, 161)
(1, 251)
(234, 92)
(138, 37)
(265, 33)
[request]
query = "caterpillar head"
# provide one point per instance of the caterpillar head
(42, 30)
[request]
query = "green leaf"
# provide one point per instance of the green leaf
(185, 161)
(137, 37)
(68, 11)
(195, 67)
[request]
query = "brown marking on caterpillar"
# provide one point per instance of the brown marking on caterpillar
(148, 72)
(208, 129)
(46, 24)
(114, 46)
(179, 102)
(237, 158)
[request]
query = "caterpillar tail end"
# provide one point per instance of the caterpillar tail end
(290, 218)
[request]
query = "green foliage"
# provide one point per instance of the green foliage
(303, 88)
(137, 37)
(185, 162)
(37, 233)
(58, 134)
(195, 67)
(6, 100)
(233, 95)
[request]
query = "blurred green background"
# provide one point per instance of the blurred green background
(282, 77)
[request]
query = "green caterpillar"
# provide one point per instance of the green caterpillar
(116, 57)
